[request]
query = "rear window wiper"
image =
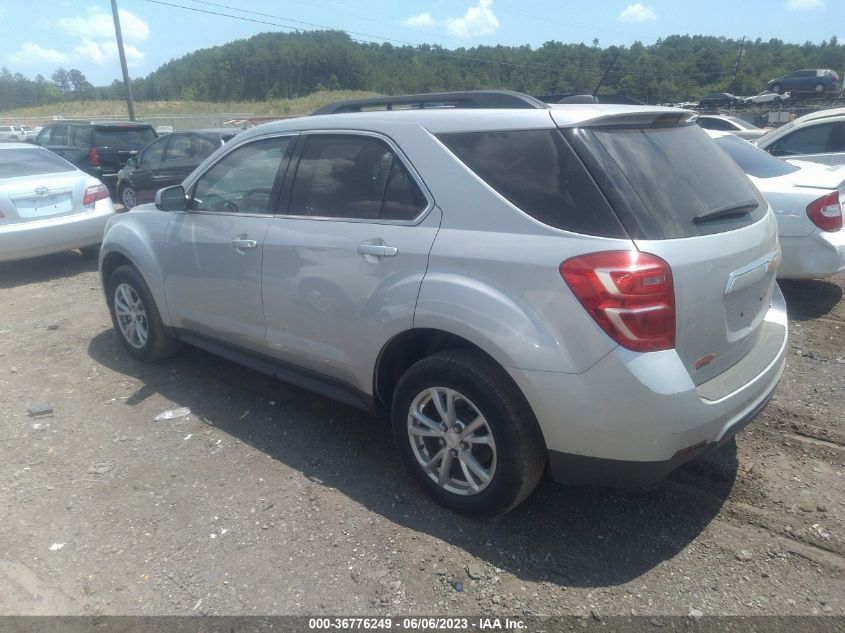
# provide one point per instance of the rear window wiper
(732, 209)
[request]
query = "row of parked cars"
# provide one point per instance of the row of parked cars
(479, 273)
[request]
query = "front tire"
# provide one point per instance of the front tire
(135, 317)
(467, 433)
(128, 197)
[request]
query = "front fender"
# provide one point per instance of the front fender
(137, 236)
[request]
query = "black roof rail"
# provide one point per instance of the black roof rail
(495, 99)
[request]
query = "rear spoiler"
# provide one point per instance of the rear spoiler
(644, 117)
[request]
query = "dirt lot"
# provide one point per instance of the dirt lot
(270, 500)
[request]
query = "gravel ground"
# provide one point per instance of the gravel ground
(270, 500)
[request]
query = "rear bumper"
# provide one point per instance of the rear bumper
(633, 418)
(573, 469)
(54, 235)
(819, 254)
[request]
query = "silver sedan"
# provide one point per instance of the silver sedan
(47, 205)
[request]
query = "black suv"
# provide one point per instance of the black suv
(99, 148)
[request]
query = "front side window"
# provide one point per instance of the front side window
(205, 147)
(154, 153)
(810, 140)
(242, 181)
(350, 176)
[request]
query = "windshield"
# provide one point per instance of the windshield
(753, 160)
(124, 137)
(676, 174)
(15, 163)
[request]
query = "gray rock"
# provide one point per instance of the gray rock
(744, 555)
(474, 571)
(821, 507)
(40, 408)
(496, 599)
(695, 614)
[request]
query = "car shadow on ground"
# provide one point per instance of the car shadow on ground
(46, 268)
(569, 536)
(808, 299)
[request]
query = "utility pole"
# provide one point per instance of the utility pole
(129, 101)
(736, 63)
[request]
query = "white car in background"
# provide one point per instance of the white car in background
(807, 199)
(768, 97)
(732, 124)
(47, 205)
(11, 133)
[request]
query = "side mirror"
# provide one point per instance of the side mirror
(172, 199)
(132, 162)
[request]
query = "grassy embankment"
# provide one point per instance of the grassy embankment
(87, 109)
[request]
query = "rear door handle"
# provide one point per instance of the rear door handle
(239, 244)
(377, 250)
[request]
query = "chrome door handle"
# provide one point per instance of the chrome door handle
(239, 244)
(377, 250)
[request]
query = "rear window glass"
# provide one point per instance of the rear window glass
(29, 162)
(123, 137)
(538, 172)
(753, 160)
(679, 177)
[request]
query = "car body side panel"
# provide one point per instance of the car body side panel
(138, 236)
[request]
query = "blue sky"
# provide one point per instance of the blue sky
(79, 34)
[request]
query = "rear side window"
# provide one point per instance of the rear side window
(123, 138)
(753, 160)
(29, 162)
(664, 181)
(351, 176)
(538, 172)
(59, 135)
(80, 137)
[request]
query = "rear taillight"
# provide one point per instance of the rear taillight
(94, 193)
(94, 157)
(629, 294)
(826, 212)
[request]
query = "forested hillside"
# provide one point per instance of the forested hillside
(286, 65)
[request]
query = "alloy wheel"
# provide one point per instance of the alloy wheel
(131, 315)
(452, 441)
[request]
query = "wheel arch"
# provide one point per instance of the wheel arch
(125, 244)
(410, 346)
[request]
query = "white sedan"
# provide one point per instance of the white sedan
(47, 205)
(807, 199)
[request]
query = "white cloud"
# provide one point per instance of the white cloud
(421, 21)
(804, 5)
(99, 25)
(31, 53)
(638, 12)
(478, 20)
(106, 52)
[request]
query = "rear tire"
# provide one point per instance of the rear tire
(136, 318)
(467, 434)
(819, 88)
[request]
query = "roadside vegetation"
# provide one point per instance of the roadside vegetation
(117, 107)
(279, 68)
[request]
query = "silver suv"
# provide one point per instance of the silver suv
(588, 289)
